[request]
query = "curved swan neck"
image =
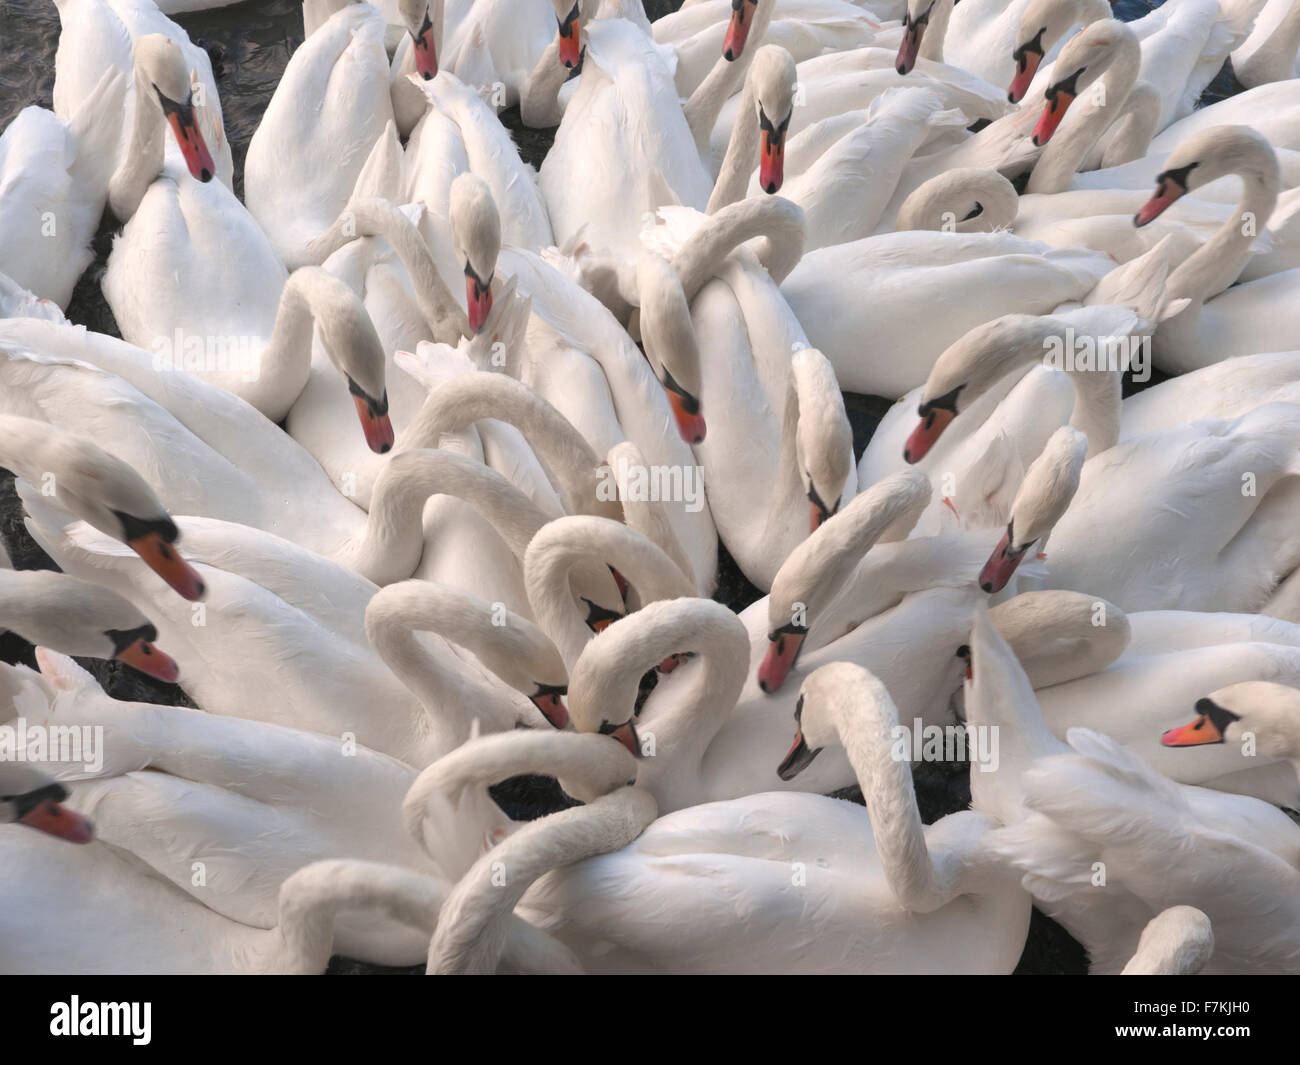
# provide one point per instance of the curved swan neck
(566, 543)
(720, 84)
(373, 217)
(1061, 159)
(1098, 398)
(1274, 60)
(647, 516)
(539, 99)
(313, 897)
(1215, 265)
(742, 153)
(144, 157)
(394, 536)
(459, 403)
(932, 42)
(472, 929)
(773, 217)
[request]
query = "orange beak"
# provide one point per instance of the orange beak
(814, 517)
(1026, 68)
(165, 560)
(56, 820)
(1198, 733)
(910, 49)
(779, 660)
(426, 50)
(771, 161)
(478, 298)
(690, 423)
(670, 663)
(1051, 117)
(626, 735)
(552, 708)
(1167, 192)
(738, 29)
(926, 433)
(570, 42)
(186, 130)
(377, 427)
(1000, 566)
(145, 657)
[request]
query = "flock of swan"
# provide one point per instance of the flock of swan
(575, 386)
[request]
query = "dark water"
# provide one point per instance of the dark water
(249, 45)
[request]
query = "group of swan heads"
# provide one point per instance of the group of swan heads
(30, 798)
(1086, 57)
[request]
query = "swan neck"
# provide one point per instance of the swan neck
(145, 153)
(773, 217)
(742, 153)
(1097, 407)
(1215, 265)
(719, 85)
(539, 99)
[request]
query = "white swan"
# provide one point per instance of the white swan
(28, 797)
(331, 105)
(1176, 942)
(878, 892)
(1269, 53)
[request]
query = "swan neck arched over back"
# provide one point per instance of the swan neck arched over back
(773, 217)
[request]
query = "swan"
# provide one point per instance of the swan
(99, 36)
(79, 618)
(29, 797)
(1066, 807)
(1219, 324)
(1176, 942)
(912, 899)
(1269, 53)
(101, 490)
(54, 176)
(1207, 523)
(973, 276)
(1027, 32)
(331, 105)
(1261, 716)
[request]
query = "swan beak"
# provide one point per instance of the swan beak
(670, 663)
(626, 735)
(1201, 731)
(737, 29)
(923, 437)
(799, 758)
(375, 423)
(570, 43)
(478, 298)
(552, 708)
(145, 657)
(817, 513)
(165, 560)
(185, 128)
(782, 652)
(1051, 116)
(771, 161)
(910, 48)
(57, 820)
(1166, 193)
(1000, 566)
(1027, 66)
(690, 422)
(426, 51)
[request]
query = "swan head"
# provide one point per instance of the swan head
(109, 495)
(967, 199)
(1178, 941)
(476, 235)
(1082, 61)
(915, 21)
(418, 21)
(1206, 156)
(568, 16)
(823, 696)
(28, 797)
(1059, 635)
(1263, 710)
(823, 437)
(774, 80)
(968, 368)
(1042, 24)
(670, 343)
(349, 339)
(742, 18)
(1044, 494)
(160, 64)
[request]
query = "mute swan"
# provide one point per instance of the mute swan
(873, 891)
(54, 176)
(331, 105)
(1220, 324)
(1066, 809)
(98, 36)
(1176, 942)
(1260, 716)
(28, 797)
(1027, 32)
(1269, 53)
(100, 489)
(79, 618)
